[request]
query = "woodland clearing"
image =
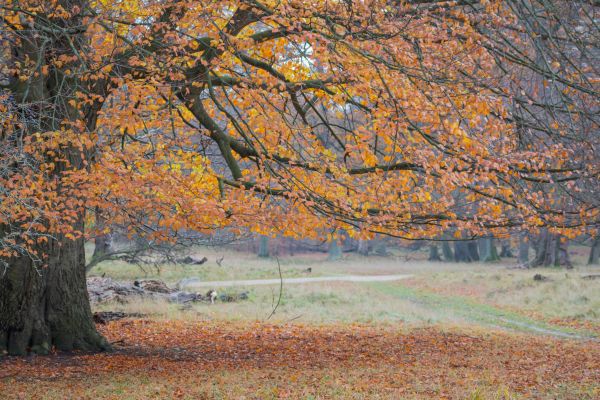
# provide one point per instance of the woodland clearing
(452, 331)
(322, 150)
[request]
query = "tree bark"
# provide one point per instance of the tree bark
(506, 250)
(461, 252)
(434, 253)
(523, 249)
(263, 246)
(551, 251)
(447, 251)
(47, 306)
(594, 258)
(335, 250)
(487, 249)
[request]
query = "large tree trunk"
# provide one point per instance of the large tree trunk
(46, 306)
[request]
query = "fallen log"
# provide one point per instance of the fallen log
(190, 260)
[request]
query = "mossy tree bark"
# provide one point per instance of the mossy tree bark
(46, 306)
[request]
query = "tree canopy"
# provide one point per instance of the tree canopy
(409, 118)
(398, 117)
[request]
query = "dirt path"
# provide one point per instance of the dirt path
(254, 282)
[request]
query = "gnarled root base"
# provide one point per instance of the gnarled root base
(41, 341)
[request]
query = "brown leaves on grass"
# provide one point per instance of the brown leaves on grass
(360, 358)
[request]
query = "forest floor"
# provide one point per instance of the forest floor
(453, 331)
(225, 360)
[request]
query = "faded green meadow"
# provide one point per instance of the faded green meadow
(492, 296)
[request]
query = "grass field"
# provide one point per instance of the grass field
(456, 331)
(486, 295)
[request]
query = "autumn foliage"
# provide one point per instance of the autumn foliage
(409, 118)
(286, 117)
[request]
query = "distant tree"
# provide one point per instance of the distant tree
(551, 250)
(335, 250)
(461, 252)
(263, 246)
(523, 256)
(447, 251)
(487, 250)
(434, 253)
(505, 249)
(594, 257)
(364, 247)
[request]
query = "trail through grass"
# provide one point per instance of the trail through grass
(478, 313)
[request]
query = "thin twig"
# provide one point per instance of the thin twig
(295, 318)
(280, 289)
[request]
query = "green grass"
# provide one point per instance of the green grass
(367, 303)
(454, 309)
(564, 295)
(234, 266)
(486, 295)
